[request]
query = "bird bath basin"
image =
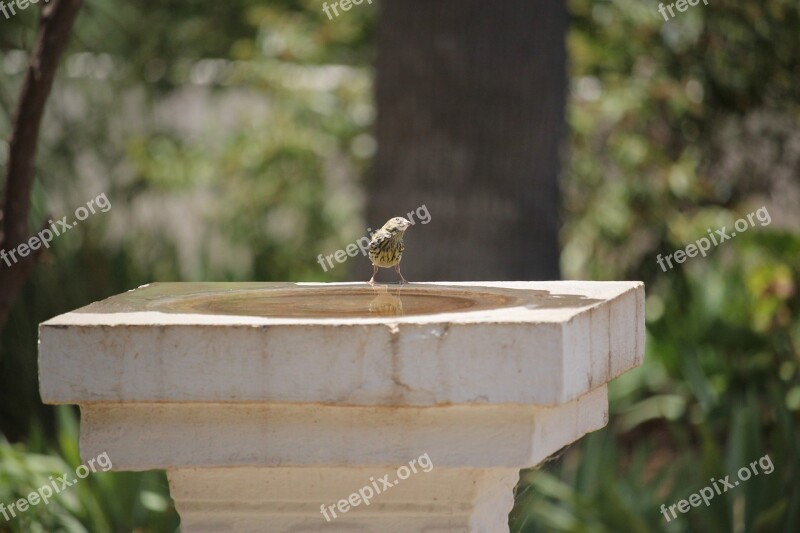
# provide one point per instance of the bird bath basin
(312, 300)
(269, 402)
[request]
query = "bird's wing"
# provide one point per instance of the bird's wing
(379, 240)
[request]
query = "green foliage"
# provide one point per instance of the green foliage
(101, 501)
(232, 140)
(678, 127)
(227, 150)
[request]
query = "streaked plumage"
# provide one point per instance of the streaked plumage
(386, 247)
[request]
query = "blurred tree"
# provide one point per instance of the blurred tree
(54, 30)
(470, 117)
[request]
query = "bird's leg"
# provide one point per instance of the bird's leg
(374, 273)
(402, 279)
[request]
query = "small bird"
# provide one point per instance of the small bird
(386, 246)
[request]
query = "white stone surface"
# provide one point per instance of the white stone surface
(260, 420)
(143, 436)
(543, 356)
(474, 454)
(444, 500)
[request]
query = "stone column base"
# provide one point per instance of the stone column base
(441, 500)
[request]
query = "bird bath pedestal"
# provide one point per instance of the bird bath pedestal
(281, 407)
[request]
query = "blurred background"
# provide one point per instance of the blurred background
(238, 140)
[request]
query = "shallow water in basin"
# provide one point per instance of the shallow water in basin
(289, 300)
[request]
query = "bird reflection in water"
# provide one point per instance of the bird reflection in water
(386, 302)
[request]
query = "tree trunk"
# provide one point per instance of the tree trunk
(55, 27)
(471, 100)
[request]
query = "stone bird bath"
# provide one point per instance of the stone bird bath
(271, 405)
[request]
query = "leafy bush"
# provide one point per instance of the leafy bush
(102, 501)
(678, 127)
